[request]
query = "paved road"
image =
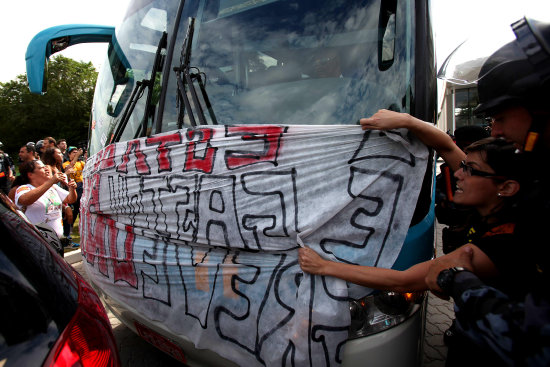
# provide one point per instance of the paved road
(136, 352)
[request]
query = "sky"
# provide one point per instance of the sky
(21, 20)
(453, 22)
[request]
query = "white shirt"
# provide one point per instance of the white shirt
(47, 209)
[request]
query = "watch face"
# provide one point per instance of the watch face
(445, 280)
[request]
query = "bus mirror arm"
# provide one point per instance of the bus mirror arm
(55, 39)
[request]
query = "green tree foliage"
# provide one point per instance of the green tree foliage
(63, 112)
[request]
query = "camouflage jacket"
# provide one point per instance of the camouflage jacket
(519, 332)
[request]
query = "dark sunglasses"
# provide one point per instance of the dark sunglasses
(471, 171)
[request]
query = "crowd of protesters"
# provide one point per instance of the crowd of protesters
(48, 187)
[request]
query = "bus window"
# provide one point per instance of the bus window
(306, 62)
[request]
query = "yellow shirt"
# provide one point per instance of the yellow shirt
(78, 168)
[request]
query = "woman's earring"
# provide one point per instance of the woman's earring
(499, 194)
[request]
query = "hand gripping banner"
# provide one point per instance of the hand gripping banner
(197, 231)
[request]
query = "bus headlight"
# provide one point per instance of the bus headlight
(383, 310)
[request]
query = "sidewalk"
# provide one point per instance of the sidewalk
(73, 257)
(439, 316)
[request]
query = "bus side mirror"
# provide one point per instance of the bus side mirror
(55, 39)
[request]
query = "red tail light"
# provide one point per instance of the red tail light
(88, 339)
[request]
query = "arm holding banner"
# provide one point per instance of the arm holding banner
(426, 132)
(412, 279)
(368, 276)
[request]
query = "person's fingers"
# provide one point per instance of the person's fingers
(367, 123)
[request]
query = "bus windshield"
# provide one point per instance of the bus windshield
(311, 62)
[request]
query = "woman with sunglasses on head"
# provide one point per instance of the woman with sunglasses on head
(53, 158)
(488, 176)
(41, 197)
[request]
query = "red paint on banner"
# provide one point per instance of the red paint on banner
(124, 269)
(201, 162)
(108, 159)
(95, 243)
(271, 135)
(163, 157)
(141, 162)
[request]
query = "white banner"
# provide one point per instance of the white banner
(198, 230)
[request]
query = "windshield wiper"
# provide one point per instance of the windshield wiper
(157, 66)
(186, 84)
(138, 91)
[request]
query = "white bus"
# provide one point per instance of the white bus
(224, 135)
